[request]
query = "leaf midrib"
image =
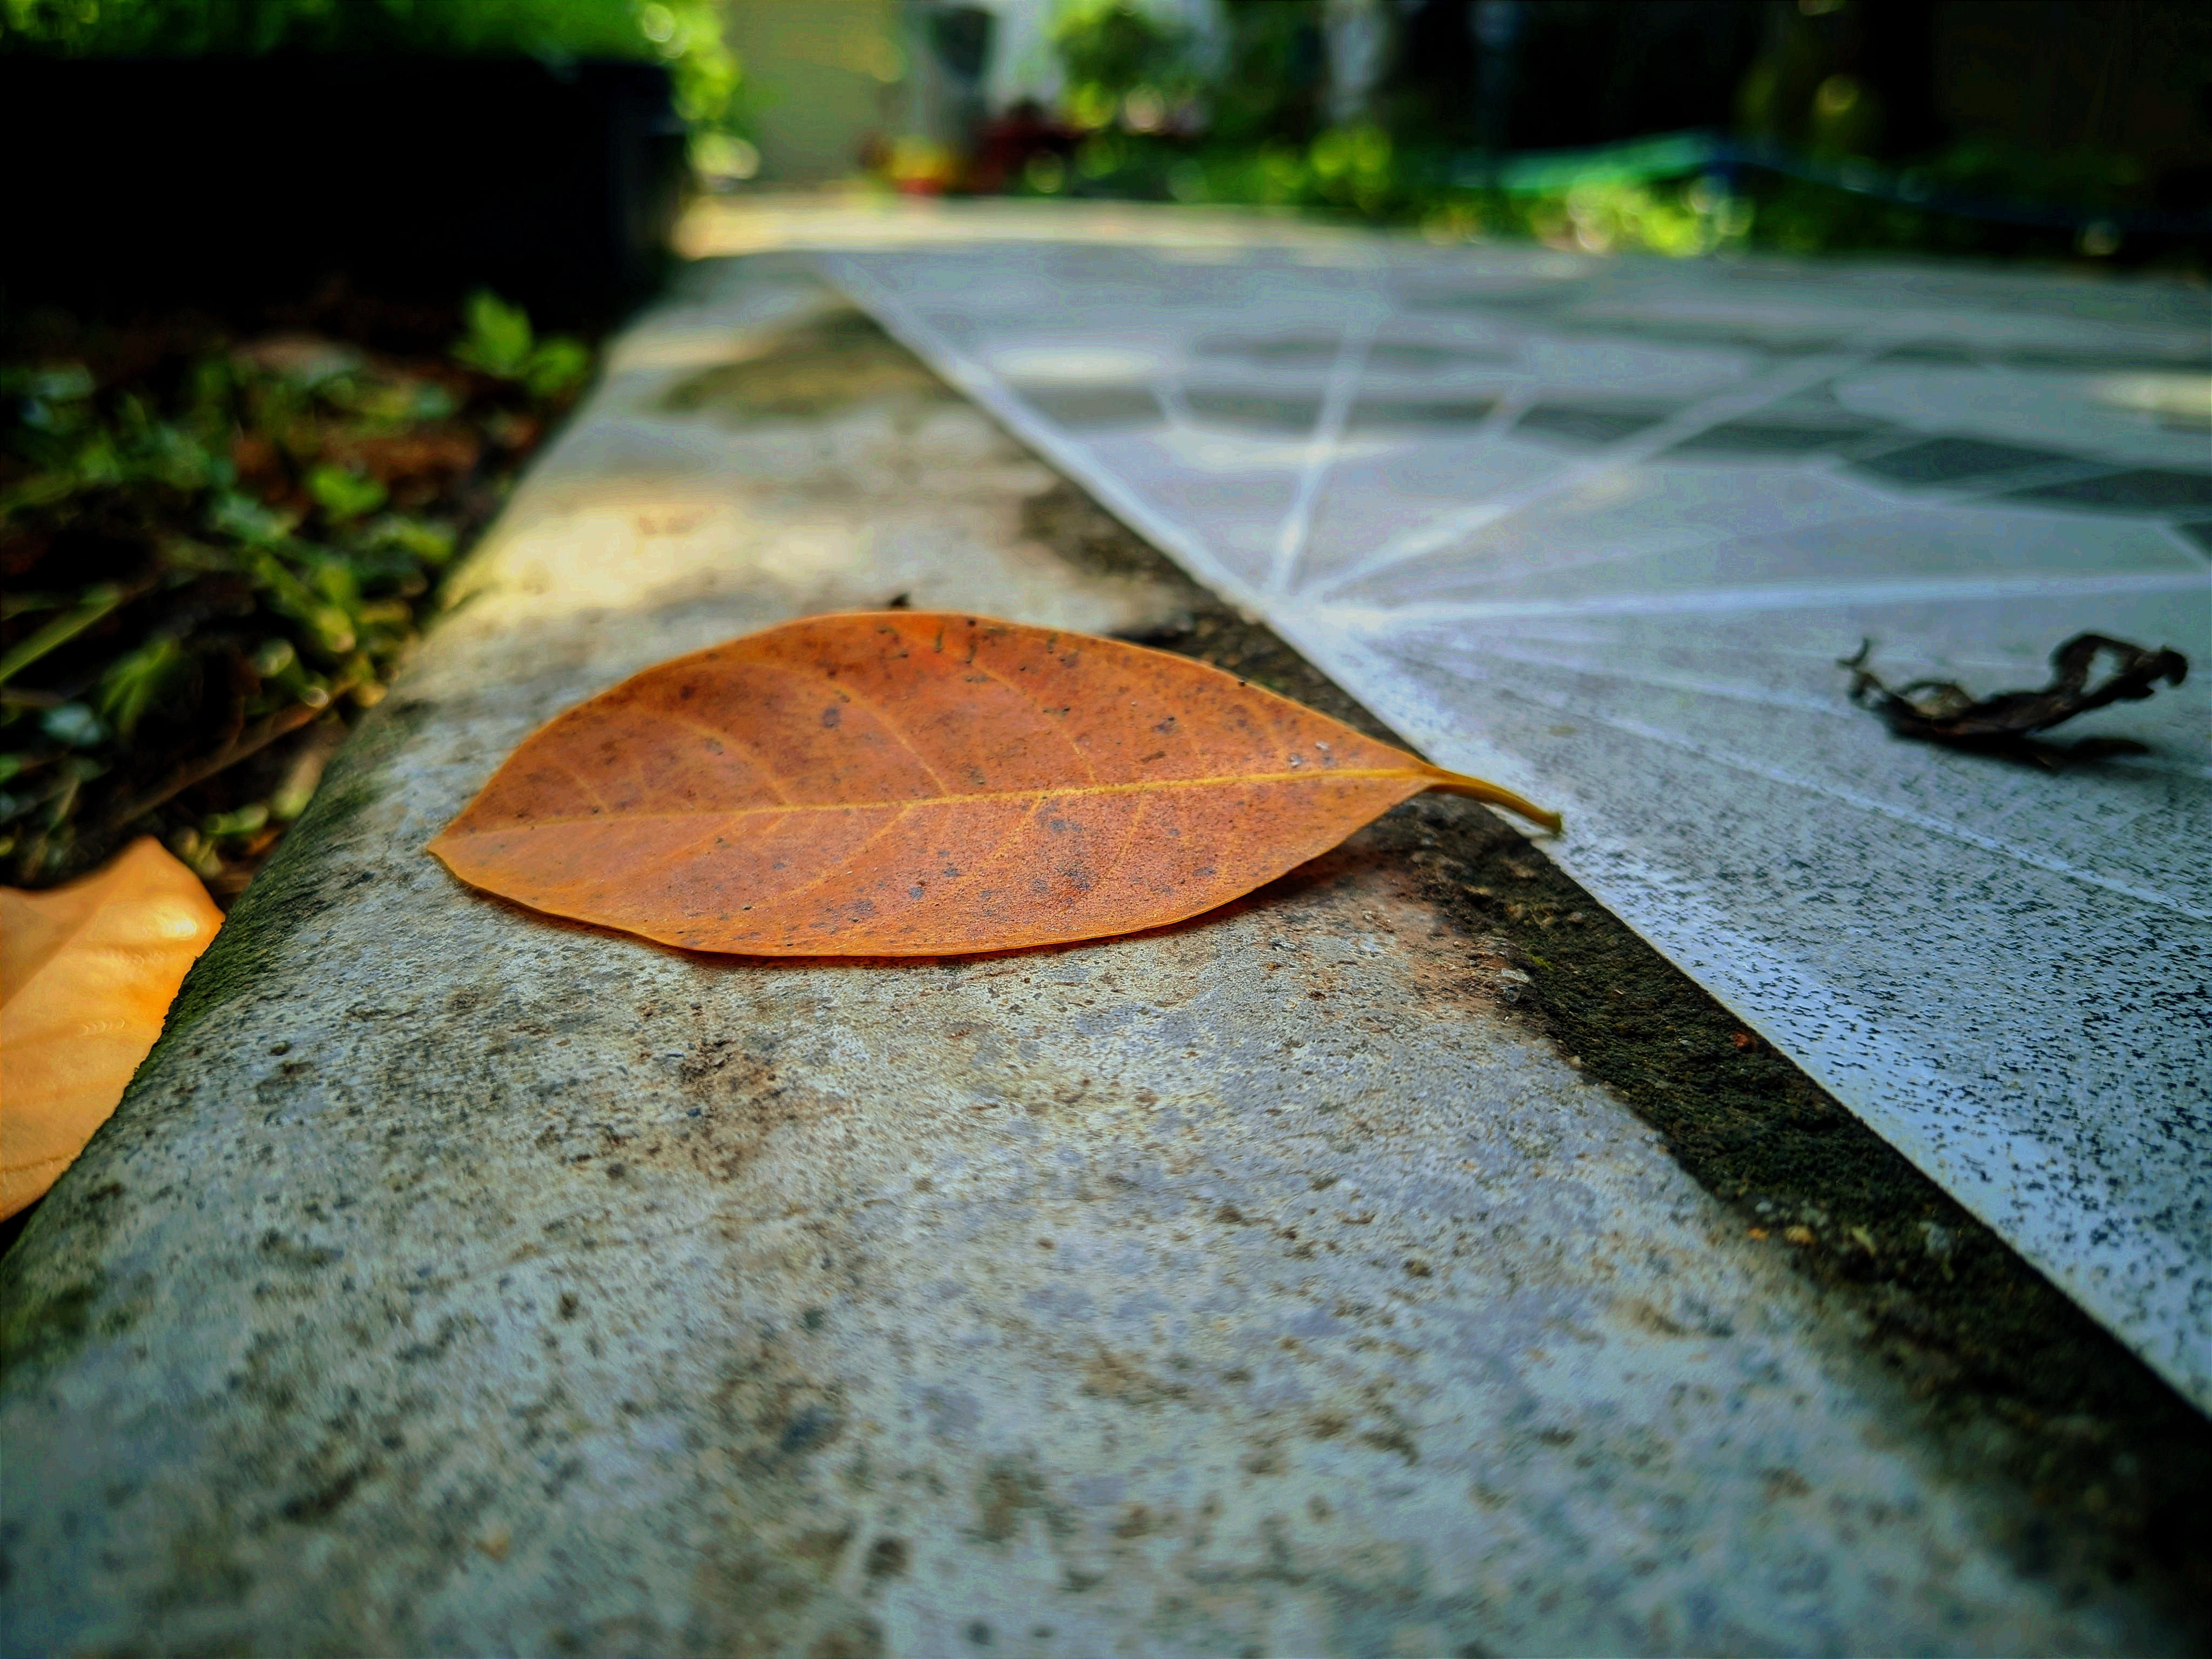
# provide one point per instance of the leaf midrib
(777, 809)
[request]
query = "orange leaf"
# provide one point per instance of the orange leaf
(898, 783)
(87, 973)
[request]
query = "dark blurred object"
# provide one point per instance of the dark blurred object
(2040, 99)
(1590, 74)
(229, 182)
(1276, 77)
(1430, 88)
(960, 54)
(1498, 29)
(1835, 80)
(961, 38)
(1511, 75)
(1024, 137)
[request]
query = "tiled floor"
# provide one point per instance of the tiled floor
(1601, 530)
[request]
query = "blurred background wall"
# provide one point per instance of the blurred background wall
(824, 83)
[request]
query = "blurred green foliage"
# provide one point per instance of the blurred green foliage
(1253, 132)
(685, 34)
(1111, 50)
(1360, 170)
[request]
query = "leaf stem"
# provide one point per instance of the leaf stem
(96, 604)
(1458, 783)
(252, 743)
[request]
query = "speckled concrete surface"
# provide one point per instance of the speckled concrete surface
(1601, 530)
(453, 1281)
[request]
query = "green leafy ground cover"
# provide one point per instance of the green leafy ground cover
(217, 546)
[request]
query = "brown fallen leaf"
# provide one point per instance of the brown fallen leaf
(87, 973)
(1943, 711)
(905, 783)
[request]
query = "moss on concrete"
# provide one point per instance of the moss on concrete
(284, 894)
(2020, 1382)
(825, 361)
(46, 1316)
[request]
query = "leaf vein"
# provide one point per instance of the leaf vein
(1074, 747)
(887, 722)
(751, 749)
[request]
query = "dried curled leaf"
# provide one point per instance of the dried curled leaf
(87, 975)
(902, 783)
(1943, 711)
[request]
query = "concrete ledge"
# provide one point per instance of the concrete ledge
(456, 1281)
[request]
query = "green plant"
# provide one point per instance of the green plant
(343, 494)
(136, 681)
(1269, 85)
(500, 341)
(1120, 59)
(192, 28)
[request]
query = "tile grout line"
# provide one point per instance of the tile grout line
(1135, 510)
(1323, 449)
(1783, 597)
(1699, 416)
